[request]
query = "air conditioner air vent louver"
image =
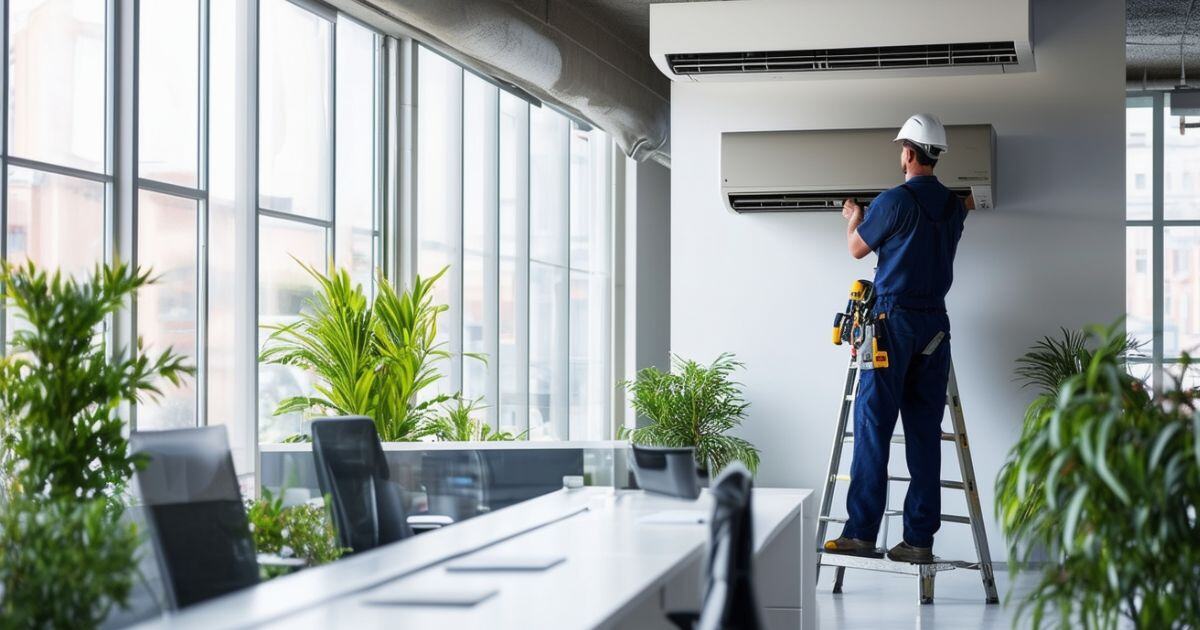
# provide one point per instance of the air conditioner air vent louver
(835, 59)
(825, 201)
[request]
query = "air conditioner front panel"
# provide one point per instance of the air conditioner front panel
(810, 39)
(779, 171)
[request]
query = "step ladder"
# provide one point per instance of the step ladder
(925, 572)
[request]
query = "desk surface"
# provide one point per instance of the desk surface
(613, 562)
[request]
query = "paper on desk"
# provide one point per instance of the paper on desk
(675, 517)
(504, 563)
(456, 597)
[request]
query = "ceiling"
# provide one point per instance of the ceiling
(1154, 29)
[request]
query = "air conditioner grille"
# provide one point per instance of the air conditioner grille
(825, 201)
(831, 59)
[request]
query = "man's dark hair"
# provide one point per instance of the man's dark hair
(923, 158)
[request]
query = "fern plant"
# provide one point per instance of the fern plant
(370, 359)
(1115, 476)
(694, 405)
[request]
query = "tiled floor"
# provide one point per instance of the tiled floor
(874, 601)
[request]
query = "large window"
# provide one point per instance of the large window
(1162, 238)
(246, 138)
(516, 200)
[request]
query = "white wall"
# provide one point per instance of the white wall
(1051, 254)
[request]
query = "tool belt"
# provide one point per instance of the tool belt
(862, 329)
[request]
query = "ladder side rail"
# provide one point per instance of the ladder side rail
(967, 469)
(835, 455)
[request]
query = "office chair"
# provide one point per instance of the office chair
(195, 514)
(368, 509)
(729, 601)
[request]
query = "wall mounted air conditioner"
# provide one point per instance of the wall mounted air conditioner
(806, 171)
(804, 39)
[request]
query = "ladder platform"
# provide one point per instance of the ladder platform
(888, 566)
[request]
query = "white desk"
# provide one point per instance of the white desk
(619, 572)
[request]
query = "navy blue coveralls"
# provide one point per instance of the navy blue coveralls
(915, 230)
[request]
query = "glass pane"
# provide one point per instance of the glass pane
(57, 81)
(1181, 170)
(294, 123)
(168, 84)
(357, 80)
(514, 252)
(283, 290)
(166, 310)
(439, 170)
(589, 325)
(547, 352)
(548, 198)
(591, 384)
(1139, 285)
(1144, 372)
(1181, 290)
(1139, 162)
(55, 221)
(1187, 379)
(480, 103)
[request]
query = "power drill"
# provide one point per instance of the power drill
(859, 327)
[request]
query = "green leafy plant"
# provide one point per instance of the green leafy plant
(370, 359)
(1117, 473)
(695, 405)
(458, 424)
(300, 531)
(66, 555)
(1048, 364)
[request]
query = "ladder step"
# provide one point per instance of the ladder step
(898, 439)
(945, 483)
(951, 518)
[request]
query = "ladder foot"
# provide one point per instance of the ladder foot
(838, 575)
(993, 600)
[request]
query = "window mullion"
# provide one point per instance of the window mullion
(1157, 255)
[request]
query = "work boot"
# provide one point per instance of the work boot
(905, 552)
(852, 547)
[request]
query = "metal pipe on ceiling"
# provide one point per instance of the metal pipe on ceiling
(514, 46)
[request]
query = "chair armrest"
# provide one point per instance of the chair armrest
(426, 522)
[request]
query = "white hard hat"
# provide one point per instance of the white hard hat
(926, 131)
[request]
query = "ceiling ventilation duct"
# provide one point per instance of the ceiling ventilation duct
(536, 46)
(805, 39)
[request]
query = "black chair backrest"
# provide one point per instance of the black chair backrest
(667, 470)
(368, 509)
(195, 513)
(729, 601)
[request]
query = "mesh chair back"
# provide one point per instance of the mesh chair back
(195, 513)
(729, 601)
(368, 509)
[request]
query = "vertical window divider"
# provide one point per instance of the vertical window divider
(121, 151)
(202, 217)
(331, 261)
(566, 295)
(493, 300)
(1157, 231)
(4, 20)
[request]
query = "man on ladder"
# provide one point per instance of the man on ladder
(914, 228)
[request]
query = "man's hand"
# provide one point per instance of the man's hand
(851, 211)
(854, 215)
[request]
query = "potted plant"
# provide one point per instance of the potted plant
(457, 423)
(303, 531)
(66, 553)
(693, 405)
(1106, 478)
(372, 359)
